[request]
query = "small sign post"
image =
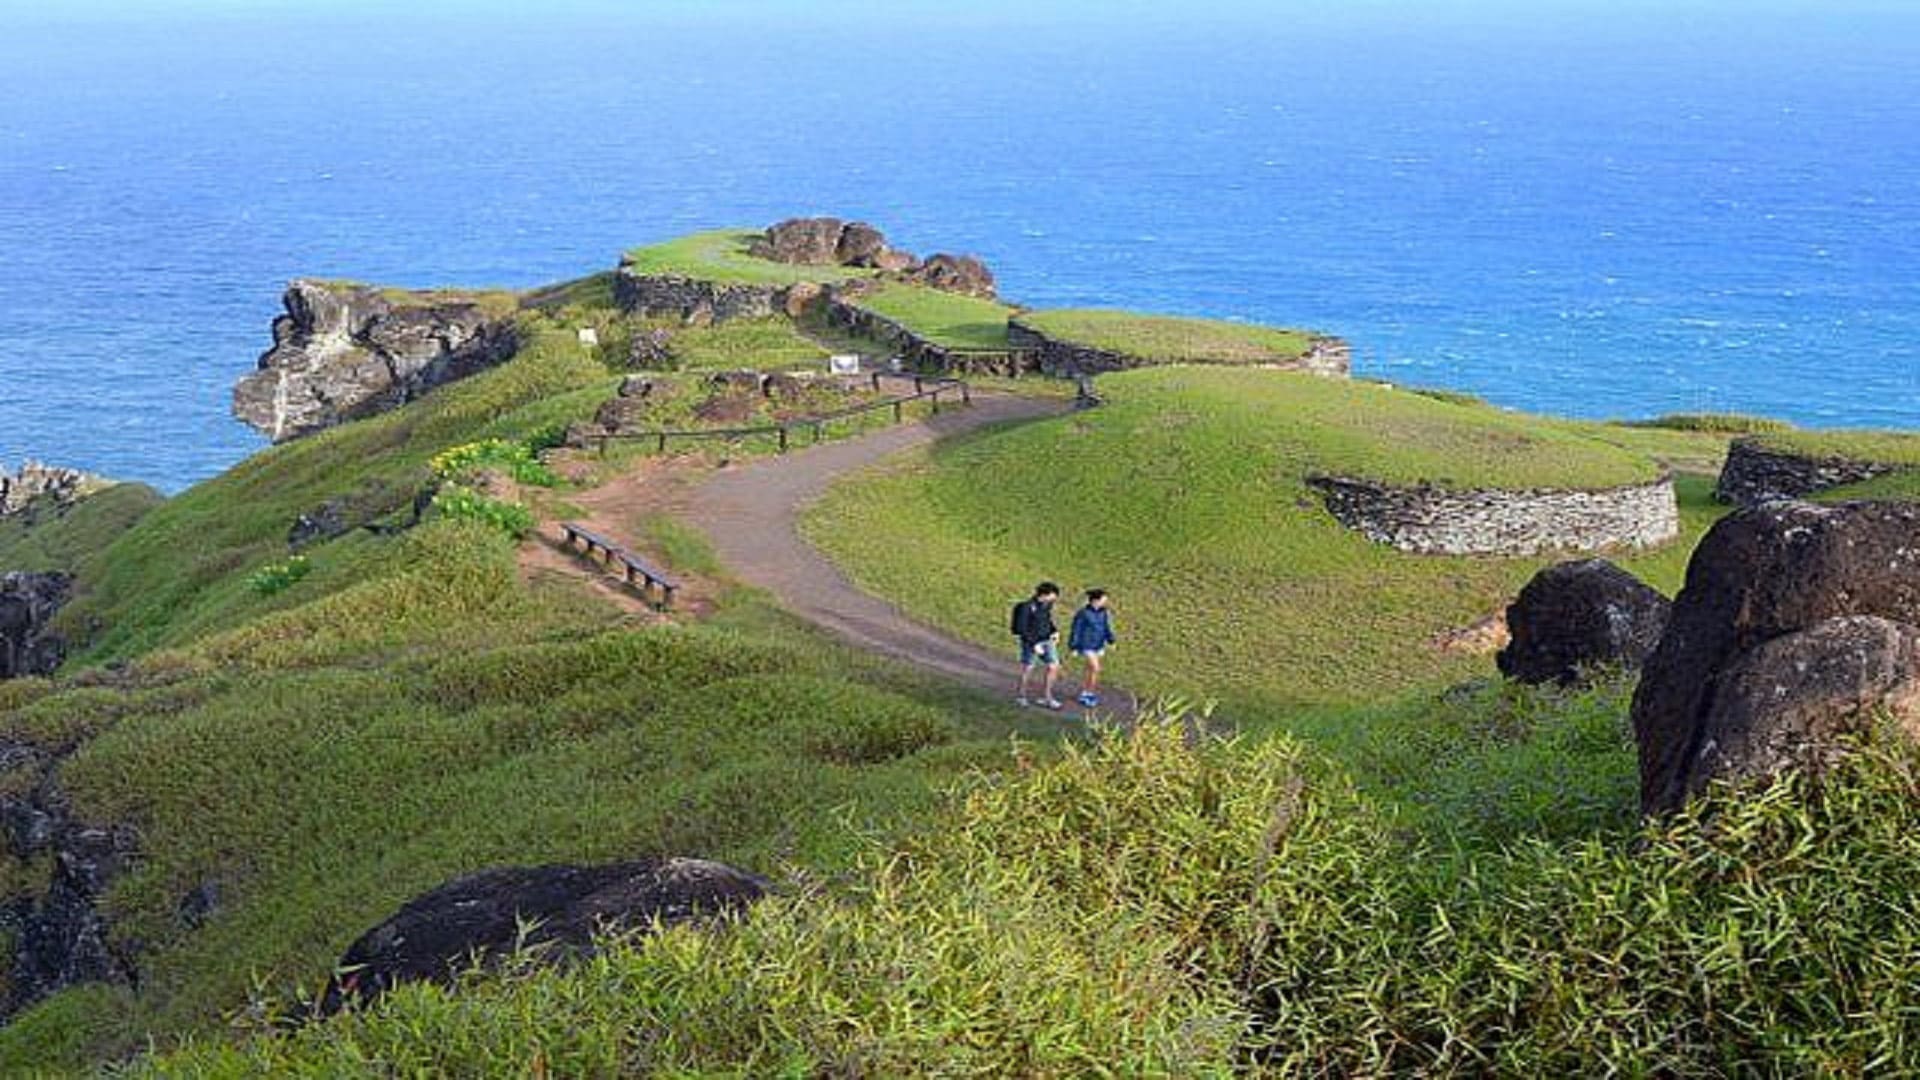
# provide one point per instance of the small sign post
(589, 337)
(844, 364)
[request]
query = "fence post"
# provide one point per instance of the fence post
(663, 442)
(936, 402)
(819, 433)
(966, 394)
(783, 438)
(899, 411)
(876, 382)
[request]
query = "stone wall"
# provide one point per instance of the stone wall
(1755, 474)
(691, 300)
(1324, 356)
(917, 352)
(1435, 521)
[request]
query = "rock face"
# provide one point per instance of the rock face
(59, 938)
(1578, 617)
(1753, 671)
(692, 301)
(37, 483)
(436, 935)
(1755, 473)
(28, 603)
(1440, 521)
(344, 352)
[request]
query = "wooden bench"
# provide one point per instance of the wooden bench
(635, 567)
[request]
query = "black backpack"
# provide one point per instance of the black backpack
(1020, 613)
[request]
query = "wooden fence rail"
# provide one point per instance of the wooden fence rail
(925, 388)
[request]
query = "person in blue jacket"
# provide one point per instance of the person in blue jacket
(1091, 637)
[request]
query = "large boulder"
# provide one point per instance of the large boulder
(1796, 701)
(1577, 618)
(962, 274)
(28, 603)
(813, 241)
(558, 910)
(1760, 575)
(342, 352)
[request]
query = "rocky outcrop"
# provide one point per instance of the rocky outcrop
(343, 352)
(1755, 473)
(1440, 521)
(1576, 619)
(1764, 663)
(1328, 356)
(829, 241)
(59, 936)
(961, 274)
(28, 603)
(45, 485)
(557, 910)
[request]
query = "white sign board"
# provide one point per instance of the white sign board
(845, 364)
(590, 337)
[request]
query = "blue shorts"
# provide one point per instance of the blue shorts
(1039, 652)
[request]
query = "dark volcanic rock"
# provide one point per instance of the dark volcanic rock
(344, 352)
(1760, 574)
(322, 523)
(813, 241)
(860, 244)
(1577, 617)
(438, 934)
(652, 350)
(957, 274)
(60, 938)
(28, 603)
(1795, 701)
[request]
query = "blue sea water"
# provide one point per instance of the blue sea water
(1604, 210)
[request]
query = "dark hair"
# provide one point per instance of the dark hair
(1096, 594)
(1046, 588)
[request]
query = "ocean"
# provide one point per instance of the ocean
(1600, 210)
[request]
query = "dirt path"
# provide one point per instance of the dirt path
(751, 513)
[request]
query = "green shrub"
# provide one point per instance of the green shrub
(1715, 423)
(465, 504)
(463, 463)
(279, 577)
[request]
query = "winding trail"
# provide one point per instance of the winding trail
(751, 514)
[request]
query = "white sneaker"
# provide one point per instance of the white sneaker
(1052, 704)
(1022, 702)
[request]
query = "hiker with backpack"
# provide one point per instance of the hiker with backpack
(1039, 639)
(1090, 638)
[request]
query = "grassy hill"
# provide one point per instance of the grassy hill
(1186, 496)
(74, 539)
(1371, 879)
(943, 318)
(1166, 339)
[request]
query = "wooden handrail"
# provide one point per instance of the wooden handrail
(925, 389)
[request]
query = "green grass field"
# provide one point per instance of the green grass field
(1166, 339)
(1880, 447)
(722, 256)
(943, 318)
(1186, 496)
(770, 344)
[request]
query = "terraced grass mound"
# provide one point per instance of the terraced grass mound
(1187, 496)
(722, 256)
(1166, 339)
(1900, 449)
(943, 318)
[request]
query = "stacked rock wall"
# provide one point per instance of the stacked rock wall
(917, 352)
(1436, 521)
(691, 300)
(1755, 474)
